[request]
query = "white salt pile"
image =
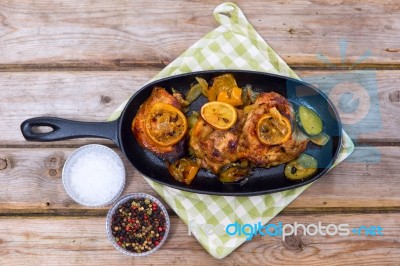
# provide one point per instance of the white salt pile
(95, 176)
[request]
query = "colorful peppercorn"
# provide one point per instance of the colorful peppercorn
(138, 225)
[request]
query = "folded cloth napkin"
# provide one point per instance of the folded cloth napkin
(233, 45)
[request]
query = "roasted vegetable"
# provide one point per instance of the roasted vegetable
(224, 89)
(234, 98)
(194, 93)
(192, 119)
(204, 86)
(185, 104)
(301, 168)
(321, 139)
(235, 172)
(309, 121)
(249, 96)
(184, 170)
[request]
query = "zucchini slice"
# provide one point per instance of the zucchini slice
(309, 121)
(321, 139)
(301, 168)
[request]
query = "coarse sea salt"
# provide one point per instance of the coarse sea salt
(95, 175)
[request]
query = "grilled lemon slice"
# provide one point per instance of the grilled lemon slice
(273, 128)
(219, 115)
(165, 124)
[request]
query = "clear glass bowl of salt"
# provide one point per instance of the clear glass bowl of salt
(94, 175)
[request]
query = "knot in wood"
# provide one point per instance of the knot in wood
(105, 99)
(3, 164)
(394, 96)
(54, 161)
(53, 172)
(293, 242)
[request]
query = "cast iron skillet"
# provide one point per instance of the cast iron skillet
(263, 180)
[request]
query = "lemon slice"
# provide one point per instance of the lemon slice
(165, 124)
(219, 115)
(273, 128)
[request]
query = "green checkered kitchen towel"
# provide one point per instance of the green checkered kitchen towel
(233, 45)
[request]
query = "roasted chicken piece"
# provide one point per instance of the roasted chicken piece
(169, 153)
(262, 155)
(218, 148)
(215, 147)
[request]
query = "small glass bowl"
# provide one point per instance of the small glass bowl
(115, 207)
(87, 150)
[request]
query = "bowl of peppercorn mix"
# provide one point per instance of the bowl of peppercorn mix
(137, 225)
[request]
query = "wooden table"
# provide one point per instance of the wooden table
(81, 59)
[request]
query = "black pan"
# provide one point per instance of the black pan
(263, 180)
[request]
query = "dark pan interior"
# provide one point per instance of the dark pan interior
(263, 180)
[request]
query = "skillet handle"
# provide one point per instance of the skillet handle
(68, 129)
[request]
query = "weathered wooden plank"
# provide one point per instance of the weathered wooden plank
(43, 241)
(369, 171)
(84, 96)
(125, 33)
(31, 183)
(367, 101)
(92, 96)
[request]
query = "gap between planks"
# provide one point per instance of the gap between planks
(54, 145)
(115, 65)
(28, 213)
